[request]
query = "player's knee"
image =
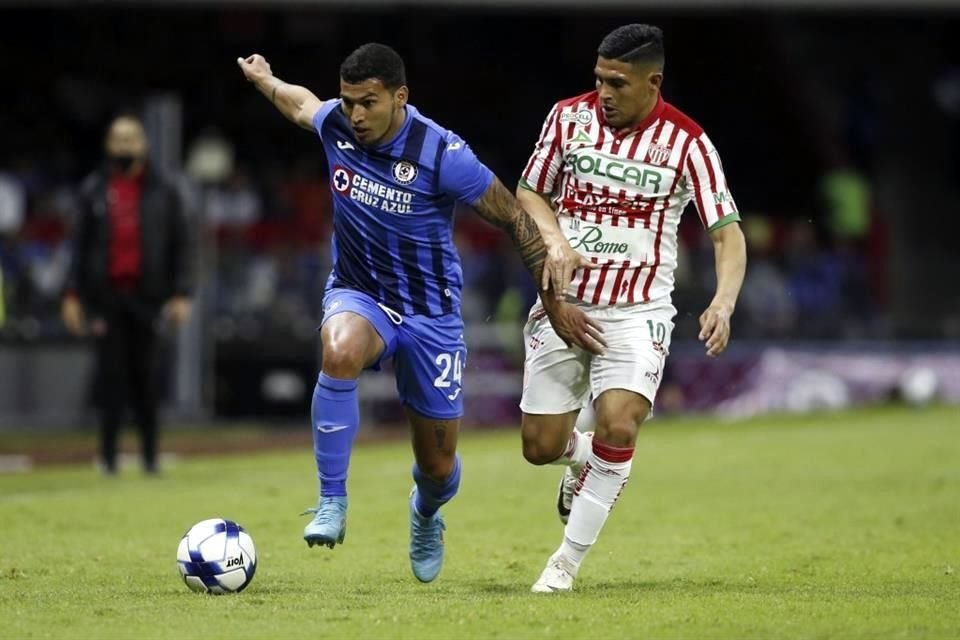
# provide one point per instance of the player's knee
(543, 442)
(540, 451)
(437, 468)
(621, 432)
(342, 362)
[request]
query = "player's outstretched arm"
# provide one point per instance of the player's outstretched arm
(297, 104)
(562, 260)
(730, 251)
(498, 207)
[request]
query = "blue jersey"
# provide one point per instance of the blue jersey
(393, 211)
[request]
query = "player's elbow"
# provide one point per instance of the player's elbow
(526, 197)
(728, 235)
(304, 119)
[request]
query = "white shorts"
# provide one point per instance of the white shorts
(559, 379)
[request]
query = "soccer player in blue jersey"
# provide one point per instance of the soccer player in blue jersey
(394, 291)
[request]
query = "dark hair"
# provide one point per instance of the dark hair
(633, 43)
(377, 61)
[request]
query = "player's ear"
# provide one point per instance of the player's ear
(401, 96)
(656, 79)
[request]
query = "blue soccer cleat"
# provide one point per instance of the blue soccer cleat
(426, 543)
(329, 524)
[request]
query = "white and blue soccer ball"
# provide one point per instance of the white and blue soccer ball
(217, 556)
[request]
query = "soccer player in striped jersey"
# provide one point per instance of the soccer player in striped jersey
(394, 291)
(612, 172)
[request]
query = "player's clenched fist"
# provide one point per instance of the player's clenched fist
(255, 67)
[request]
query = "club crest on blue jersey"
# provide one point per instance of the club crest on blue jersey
(404, 172)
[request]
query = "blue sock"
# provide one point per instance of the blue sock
(335, 415)
(432, 495)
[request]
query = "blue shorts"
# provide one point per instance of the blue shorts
(429, 353)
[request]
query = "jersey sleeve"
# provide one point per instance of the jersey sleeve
(704, 175)
(541, 171)
(321, 115)
(462, 176)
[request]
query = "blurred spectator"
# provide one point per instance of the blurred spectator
(13, 204)
(12, 209)
(130, 262)
(235, 204)
(813, 285)
(3, 303)
(846, 193)
(766, 301)
(854, 237)
(210, 159)
(308, 194)
(826, 282)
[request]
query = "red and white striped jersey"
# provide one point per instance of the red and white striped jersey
(619, 196)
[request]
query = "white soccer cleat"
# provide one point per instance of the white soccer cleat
(557, 576)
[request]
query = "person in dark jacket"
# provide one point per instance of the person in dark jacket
(131, 267)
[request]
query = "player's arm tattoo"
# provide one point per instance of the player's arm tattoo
(500, 208)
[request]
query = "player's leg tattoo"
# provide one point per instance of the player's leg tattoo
(434, 444)
(436, 471)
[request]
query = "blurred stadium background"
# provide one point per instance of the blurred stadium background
(838, 123)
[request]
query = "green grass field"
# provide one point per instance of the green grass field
(843, 526)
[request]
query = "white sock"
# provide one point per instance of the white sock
(598, 487)
(577, 451)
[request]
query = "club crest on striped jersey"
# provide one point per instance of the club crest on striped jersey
(658, 153)
(584, 117)
(404, 172)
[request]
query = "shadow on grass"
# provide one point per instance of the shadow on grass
(626, 588)
(488, 587)
(621, 589)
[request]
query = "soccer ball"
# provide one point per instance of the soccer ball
(217, 556)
